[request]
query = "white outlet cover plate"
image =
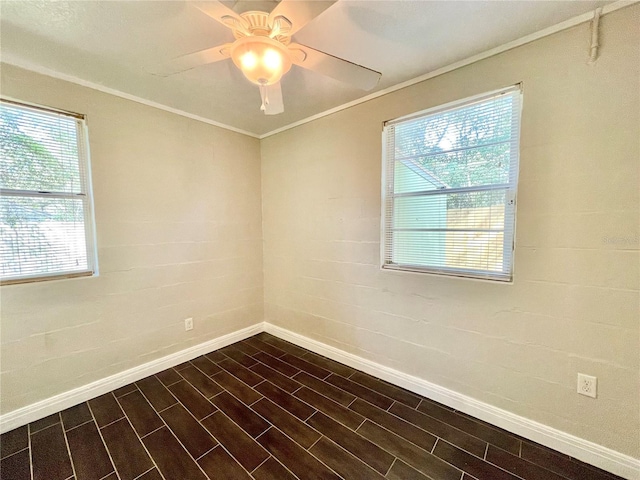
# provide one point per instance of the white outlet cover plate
(188, 324)
(587, 385)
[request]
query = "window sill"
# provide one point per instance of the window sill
(467, 275)
(62, 276)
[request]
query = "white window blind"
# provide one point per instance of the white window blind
(449, 188)
(46, 227)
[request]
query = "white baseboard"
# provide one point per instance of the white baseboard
(589, 452)
(41, 409)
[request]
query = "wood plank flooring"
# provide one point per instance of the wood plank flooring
(265, 409)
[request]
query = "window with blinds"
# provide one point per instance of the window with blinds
(449, 188)
(46, 224)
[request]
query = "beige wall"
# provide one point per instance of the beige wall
(574, 304)
(178, 220)
(178, 214)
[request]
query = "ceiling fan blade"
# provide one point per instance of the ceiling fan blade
(272, 103)
(220, 12)
(334, 67)
(192, 60)
(299, 13)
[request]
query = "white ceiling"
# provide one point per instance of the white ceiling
(116, 44)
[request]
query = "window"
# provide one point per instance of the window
(46, 224)
(449, 188)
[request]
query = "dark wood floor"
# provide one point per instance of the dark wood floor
(266, 409)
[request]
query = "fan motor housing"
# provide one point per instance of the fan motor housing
(258, 25)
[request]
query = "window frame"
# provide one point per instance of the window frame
(510, 188)
(86, 195)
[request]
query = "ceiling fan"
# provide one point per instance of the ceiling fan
(264, 52)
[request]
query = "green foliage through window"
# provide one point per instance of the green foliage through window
(44, 193)
(451, 178)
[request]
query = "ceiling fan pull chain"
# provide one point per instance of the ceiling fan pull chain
(264, 97)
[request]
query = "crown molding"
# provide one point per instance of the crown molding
(572, 22)
(17, 62)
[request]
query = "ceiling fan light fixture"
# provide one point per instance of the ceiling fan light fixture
(249, 60)
(262, 60)
(272, 60)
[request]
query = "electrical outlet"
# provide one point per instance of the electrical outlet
(188, 324)
(587, 385)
